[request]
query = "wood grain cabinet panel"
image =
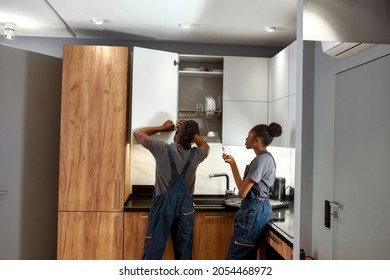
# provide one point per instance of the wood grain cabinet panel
(212, 234)
(134, 236)
(90, 235)
(283, 249)
(92, 152)
(93, 128)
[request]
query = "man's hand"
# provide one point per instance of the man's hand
(168, 126)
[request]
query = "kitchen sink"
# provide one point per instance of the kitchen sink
(208, 202)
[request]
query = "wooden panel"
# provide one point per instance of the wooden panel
(134, 235)
(90, 236)
(93, 128)
(282, 248)
(212, 235)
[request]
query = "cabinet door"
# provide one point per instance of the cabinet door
(279, 113)
(245, 78)
(134, 236)
(212, 234)
(155, 90)
(278, 75)
(93, 128)
(238, 118)
(90, 236)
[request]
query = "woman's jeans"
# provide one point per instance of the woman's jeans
(249, 223)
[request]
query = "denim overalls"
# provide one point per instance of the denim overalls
(249, 223)
(171, 213)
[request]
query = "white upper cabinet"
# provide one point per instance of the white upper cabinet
(245, 97)
(282, 95)
(278, 71)
(245, 78)
(238, 118)
(292, 64)
(154, 90)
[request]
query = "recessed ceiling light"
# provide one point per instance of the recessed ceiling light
(98, 21)
(185, 25)
(270, 28)
(9, 30)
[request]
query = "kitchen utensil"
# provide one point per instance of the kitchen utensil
(279, 189)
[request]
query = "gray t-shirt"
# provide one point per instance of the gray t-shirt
(159, 151)
(262, 171)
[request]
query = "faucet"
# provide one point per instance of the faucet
(228, 192)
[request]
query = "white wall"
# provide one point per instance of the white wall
(142, 167)
(323, 156)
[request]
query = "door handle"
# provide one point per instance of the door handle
(328, 211)
(334, 204)
(4, 192)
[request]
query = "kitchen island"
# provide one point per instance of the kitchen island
(212, 230)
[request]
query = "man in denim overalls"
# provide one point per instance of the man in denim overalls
(172, 210)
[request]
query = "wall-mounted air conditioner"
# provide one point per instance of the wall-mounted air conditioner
(344, 49)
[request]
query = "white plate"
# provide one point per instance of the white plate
(206, 104)
(212, 107)
(190, 69)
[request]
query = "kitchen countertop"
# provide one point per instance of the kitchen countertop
(282, 221)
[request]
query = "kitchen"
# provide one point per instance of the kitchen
(307, 220)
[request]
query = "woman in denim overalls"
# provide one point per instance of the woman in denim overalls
(254, 188)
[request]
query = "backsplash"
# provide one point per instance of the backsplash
(142, 167)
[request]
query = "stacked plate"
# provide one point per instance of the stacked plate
(209, 105)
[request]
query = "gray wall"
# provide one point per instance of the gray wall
(30, 91)
(323, 150)
(54, 46)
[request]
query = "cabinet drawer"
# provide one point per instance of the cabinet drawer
(278, 244)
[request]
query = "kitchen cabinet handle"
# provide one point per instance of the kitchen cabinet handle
(4, 192)
(118, 231)
(273, 239)
(119, 194)
(217, 217)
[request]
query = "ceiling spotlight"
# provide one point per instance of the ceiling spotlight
(185, 25)
(98, 21)
(270, 28)
(9, 30)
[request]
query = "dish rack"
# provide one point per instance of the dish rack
(199, 113)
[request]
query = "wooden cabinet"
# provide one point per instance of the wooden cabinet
(211, 239)
(134, 236)
(272, 239)
(92, 150)
(212, 234)
(245, 97)
(90, 235)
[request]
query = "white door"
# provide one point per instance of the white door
(362, 162)
(155, 89)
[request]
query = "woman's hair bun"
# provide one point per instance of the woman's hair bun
(274, 129)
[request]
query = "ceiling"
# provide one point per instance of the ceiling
(240, 22)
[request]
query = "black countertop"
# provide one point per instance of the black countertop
(282, 221)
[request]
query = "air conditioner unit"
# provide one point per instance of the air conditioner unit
(344, 49)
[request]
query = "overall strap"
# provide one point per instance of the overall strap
(183, 172)
(173, 165)
(172, 161)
